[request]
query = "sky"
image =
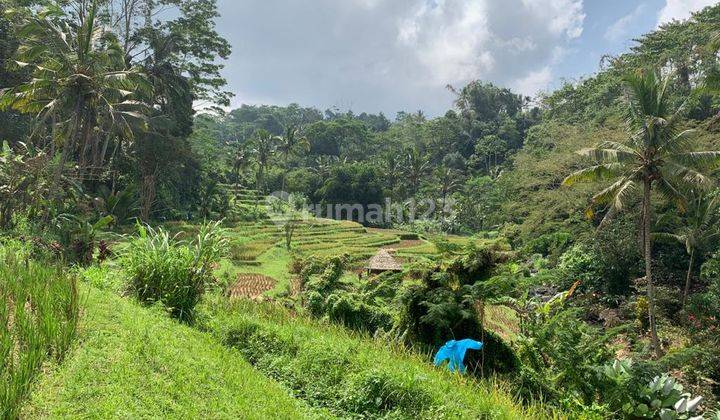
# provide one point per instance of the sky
(400, 55)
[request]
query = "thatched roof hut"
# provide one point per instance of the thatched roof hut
(383, 261)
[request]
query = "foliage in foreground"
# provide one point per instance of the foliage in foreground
(163, 269)
(351, 377)
(38, 319)
(135, 362)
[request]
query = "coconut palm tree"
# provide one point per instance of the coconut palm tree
(324, 164)
(240, 161)
(392, 168)
(79, 83)
(416, 165)
(264, 147)
(656, 155)
(699, 231)
(448, 182)
(289, 143)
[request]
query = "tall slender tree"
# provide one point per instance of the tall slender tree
(416, 166)
(656, 156)
(264, 147)
(79, 82)
(699, 230)
(288, 145)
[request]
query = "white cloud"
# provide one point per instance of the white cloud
(448, 38)
(460, 40)
(680, 9)
(565, 16)
(534, 82)
(620, 29)
(392, 55)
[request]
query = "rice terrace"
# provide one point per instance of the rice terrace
(360, 209)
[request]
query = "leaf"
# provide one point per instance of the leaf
(103, 222)
(692, 404)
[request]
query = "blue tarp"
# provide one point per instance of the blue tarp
(454, 352)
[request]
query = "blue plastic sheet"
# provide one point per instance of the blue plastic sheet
(454, 352)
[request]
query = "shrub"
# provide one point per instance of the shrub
(662, 397)
(38, 314)
(175, 273)
(78, 234)
(349, 376)
(550, 244)
(581, 263)
(409, 236)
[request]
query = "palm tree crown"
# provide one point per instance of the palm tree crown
(657, 155)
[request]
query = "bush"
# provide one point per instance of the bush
(583, 264)
(175, 273)
(349, 376)
(628, 392)
(551, 245)
(39, 315)
(409, 236)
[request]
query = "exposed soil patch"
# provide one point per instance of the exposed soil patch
(251, 286)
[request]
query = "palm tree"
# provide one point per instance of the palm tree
(656, 155)
(699, 230)
(392, 168)
(416, 165)
(240, 161)
(289, 145)
(79, 83)
(264, 147)
(324, 164)
(449, 181)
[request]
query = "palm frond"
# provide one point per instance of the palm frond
(608, 155)
(671, 193)
(594, 173)
(706, 160)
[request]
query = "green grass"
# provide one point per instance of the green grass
(134, 362)
(352, 375)
(273, 263)
(38, 313)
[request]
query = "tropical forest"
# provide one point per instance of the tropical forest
(172, 248)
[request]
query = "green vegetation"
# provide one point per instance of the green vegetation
(134, 362)
(351, 375)
(207, 295)
(39, 318)
(163, 270)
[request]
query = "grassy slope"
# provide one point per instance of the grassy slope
(133, 362)
(353, 375)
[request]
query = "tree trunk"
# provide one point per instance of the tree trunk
(69, 145)
(147, 196)
(648, 267)
(688, 278)
(442, 210)
(285, 171)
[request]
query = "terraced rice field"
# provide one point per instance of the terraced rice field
(257, 248)
(320, 237)
(251, 286)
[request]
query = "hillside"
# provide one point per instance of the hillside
(131, 361)
(165, 254)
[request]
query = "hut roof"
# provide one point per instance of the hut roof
(383, 261)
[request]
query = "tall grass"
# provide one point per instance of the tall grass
(176, 273)
(354, 376)
(38, 320)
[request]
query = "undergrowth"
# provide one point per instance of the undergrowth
(38, 320)
(350, 376)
